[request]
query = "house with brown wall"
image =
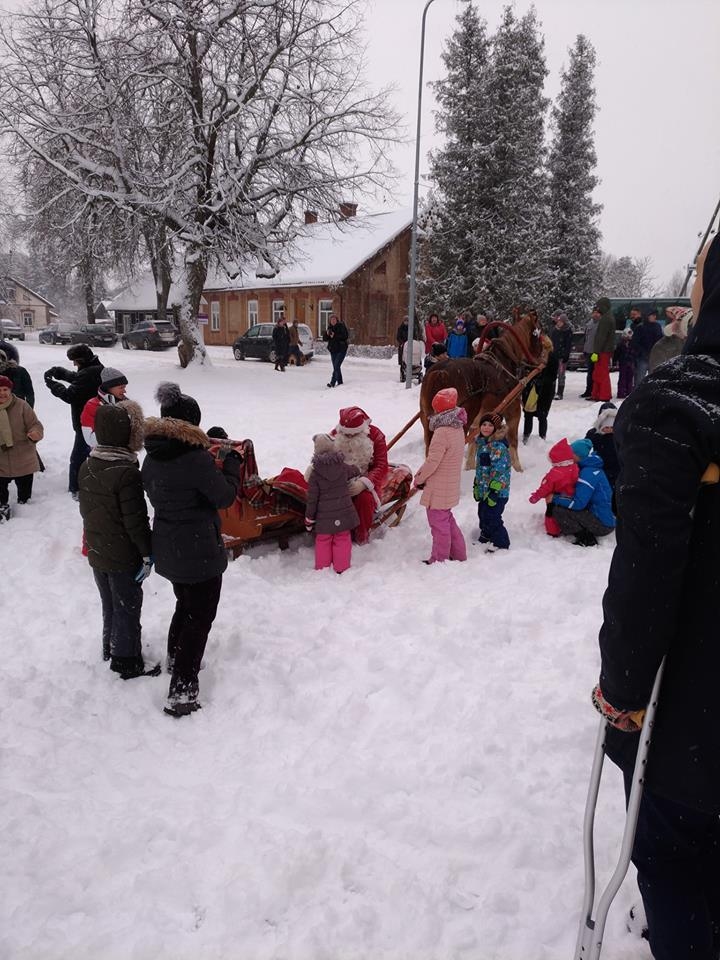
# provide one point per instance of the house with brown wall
(356, 268)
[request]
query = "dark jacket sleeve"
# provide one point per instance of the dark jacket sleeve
(133, 510)
(219, 487)
(664, 448)
(312, 497)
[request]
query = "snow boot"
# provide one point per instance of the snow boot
(131, 667)
(585, 539)
(177, 710)
(5, 512)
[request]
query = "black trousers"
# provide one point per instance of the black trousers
(677, 855)
(542, 418)
(189, 629)
(121, 599)
(572, 522)
(78, 456)
(337, 359)
(23, 484)
(589, 381)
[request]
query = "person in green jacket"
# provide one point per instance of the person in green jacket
(603, 347)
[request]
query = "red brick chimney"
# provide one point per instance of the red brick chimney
(348, 210)
(311, 216)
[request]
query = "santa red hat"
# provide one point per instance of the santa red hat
(352, 420)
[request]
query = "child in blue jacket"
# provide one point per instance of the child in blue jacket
(457, 341)
(491, 488)
(588, 514)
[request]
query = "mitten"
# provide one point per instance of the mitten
(145, 570)
(629, 721)
(594, 357)
(476, 489)
(534, 497)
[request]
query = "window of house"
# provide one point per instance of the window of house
(278, 310)
(252, 312)
(11, 293)
(215, 316)
(27, 318)
(325, 309)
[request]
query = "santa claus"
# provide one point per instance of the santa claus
(364, 446)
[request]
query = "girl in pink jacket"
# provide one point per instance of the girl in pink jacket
(439, 476)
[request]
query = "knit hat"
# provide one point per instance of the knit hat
(445, 400)
(79, 351)
(324, 443)
(110, 377)
(561, 453)
(352, 420)
(175, 404)
(438, 349)
(6, 382)
(606, 418)
(494, 418)
(217, 433)
(460, 322)
(581, 448)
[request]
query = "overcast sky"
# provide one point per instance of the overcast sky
(658, 126)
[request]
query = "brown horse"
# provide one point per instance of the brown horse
(484, 380)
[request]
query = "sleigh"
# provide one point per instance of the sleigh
(274, 509)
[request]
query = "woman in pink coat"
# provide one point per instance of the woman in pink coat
(440, 476)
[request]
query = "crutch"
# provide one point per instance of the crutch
(590, 934)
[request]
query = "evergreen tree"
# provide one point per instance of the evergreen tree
(576, 236)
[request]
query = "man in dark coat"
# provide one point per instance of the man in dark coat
(117, 532)
(22, 385)
(10, 350)
(561, 336)
(644, 338)
(281, 343)
(82, 385)
(186, 490)
(336, 336)
(663, 600)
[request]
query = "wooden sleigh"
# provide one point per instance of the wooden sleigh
(274, 508)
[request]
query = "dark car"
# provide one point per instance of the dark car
(258, 342)
(9, 330)
(57, 333)
(94, 334)
(577, 360)
(151, 335)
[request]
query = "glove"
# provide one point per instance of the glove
(495, 485)
(476, 490)
(145, 570)
(594, 357)
(629, 721)
(534, 497)
(309, 524)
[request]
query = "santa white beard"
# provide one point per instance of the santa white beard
(357, 448)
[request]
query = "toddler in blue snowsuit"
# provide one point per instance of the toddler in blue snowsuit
(491, 488)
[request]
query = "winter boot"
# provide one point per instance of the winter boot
(131, 667)
(5, 512)
(178, 710)
(585, 539)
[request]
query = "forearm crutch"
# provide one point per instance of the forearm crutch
(590, 934)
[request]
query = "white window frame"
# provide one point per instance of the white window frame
(28, 318)
(278, 309)
(324, 312)
(215, 316)
(253, 313)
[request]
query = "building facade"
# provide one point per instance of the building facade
(24, 306)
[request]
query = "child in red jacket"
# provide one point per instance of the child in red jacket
(561, 478)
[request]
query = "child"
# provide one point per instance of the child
(561, 478)
(438, 352)
(330, 511)
(624, 357)
(603, 440)
(440, 476)
(117, 532)
(491, 488)
(457, 340)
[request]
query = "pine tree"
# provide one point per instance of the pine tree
(576, 236)
(448, 281)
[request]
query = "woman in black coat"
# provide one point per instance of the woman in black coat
(544, 384)
(336, 336)
(22, 385)
(186, 490)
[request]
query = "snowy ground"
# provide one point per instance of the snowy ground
(389, 765)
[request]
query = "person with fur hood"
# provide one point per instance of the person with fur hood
(117, 533)
(20, 430)
(186, 490)
(22, 385)
(330, 511)
(561, 478)
(439, 476)
(363, 445)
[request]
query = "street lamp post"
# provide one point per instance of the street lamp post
(413, 236)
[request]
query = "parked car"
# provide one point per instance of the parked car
(577, 359)
(57, 333)
(9, 330)
(151, 335)
(257, 342)
(94, 334)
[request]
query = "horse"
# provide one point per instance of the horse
(484, 380)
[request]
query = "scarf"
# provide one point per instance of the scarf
(102, 452)
(457, 417)
(6, 437)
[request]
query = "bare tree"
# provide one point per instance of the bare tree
(217, 122)
(630, 277)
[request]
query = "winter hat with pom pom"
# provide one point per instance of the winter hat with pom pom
(445, 400)
(494, 418)
(174, 403)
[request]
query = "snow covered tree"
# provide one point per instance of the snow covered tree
(259, 107)
(630, 277)
(487, 245)
(571, 165)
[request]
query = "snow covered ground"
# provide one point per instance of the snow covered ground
(389, 765)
